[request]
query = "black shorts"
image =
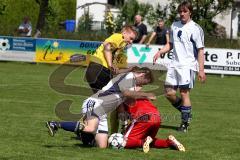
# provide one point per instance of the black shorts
(97, 76)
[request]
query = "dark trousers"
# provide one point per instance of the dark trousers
(97, 76)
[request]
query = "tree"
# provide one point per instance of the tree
(85, 22)
(43, 5)
(144, 8)
(3, 6)
(49, 15)
(203, 11)
(156, 13)
(53, 15)
(129, 10)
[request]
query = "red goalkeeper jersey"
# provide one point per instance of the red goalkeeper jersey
(142, 107)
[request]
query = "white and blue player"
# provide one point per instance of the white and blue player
(96, 107)
(187, 42)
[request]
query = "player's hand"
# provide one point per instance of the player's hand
(114, 69)
(138, 88)
(147, 45)
(156, 56)
(151, 96)
(201, 76)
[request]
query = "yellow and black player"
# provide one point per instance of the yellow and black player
(101, 67)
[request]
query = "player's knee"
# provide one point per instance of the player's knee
(90, 129)
(169, 93)
(184, 92)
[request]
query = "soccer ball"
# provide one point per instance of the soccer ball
(116, 140)
(4, 44)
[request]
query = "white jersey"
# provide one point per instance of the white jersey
(110, 97)
(186, 39)
(28, 26)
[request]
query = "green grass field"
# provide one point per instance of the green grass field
(27, 101)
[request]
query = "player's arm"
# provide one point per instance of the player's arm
(201, 73)
(125, 70)
(143, 39)
(163, 50)
(138, 95)
(167, 37)
(198, 37)
(151, 38)
(108, 53)
(109, 56)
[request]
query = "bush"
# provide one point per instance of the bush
(213, 42)
(53, 16)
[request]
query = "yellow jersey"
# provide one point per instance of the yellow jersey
(117, 45)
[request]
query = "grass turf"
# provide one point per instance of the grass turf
(27, 101)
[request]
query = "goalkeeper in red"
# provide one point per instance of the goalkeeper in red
(145, 123)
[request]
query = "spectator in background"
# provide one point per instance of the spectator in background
(142, 30)
(25, 29)
(161, 33)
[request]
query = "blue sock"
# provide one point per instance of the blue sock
(177, 104)
(186, 113)
(69, 126)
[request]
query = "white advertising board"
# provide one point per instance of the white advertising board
(217, 61)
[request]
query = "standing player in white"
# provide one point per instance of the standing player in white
(187, 42)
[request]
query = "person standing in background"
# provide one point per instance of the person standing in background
(141, 29)
(161, 33)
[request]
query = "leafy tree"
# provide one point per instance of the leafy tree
(52, 12)
(156, 13)
(3, 6)
(203, 11)
(85, 22)
(129, 10)
(43, 9)
(53, 15)
(119, 21)
(68, 9)
(144, 8)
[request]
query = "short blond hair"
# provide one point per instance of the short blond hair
(129, 28)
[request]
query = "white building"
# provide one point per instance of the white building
(96, 8)
(229, 19)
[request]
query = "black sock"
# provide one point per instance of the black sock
(186, 114)
(177, 104)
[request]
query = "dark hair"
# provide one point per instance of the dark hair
(160, 20)
(147, 73)
(185, 4)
